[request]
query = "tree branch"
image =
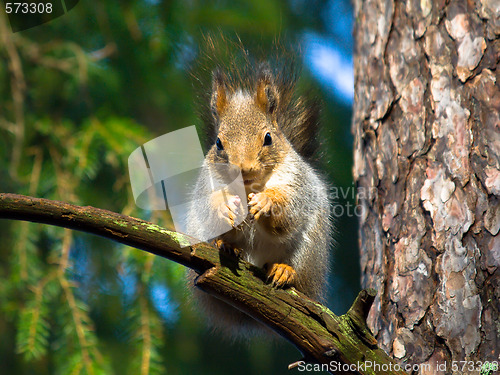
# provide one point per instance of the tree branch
(321, 336)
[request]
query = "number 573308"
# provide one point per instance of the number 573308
(25, 8)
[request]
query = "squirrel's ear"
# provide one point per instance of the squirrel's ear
(218, 103)
(267, 95)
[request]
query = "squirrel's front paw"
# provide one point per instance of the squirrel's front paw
(281, 275)
(259, 204)
(230, 210)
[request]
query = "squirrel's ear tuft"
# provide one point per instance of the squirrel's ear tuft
(218, 103)
(267, 95)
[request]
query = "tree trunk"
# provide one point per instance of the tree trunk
(427, 166)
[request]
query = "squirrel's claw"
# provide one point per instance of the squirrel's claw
(281, 275)
(226, 215)
(227, 248)
(259, 204)
(230, 210)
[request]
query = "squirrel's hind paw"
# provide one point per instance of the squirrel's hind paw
(281, 275)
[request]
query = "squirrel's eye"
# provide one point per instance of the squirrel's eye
(218, 143)
(267, 139)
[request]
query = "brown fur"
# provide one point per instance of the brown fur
(288, 228)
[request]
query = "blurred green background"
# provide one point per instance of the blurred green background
(77, 96)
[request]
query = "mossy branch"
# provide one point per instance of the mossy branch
(322, 337)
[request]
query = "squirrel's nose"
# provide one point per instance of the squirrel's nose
(247, 169)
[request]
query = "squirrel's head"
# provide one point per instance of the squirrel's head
(248, 134)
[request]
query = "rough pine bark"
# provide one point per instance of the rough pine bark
(427, 166)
